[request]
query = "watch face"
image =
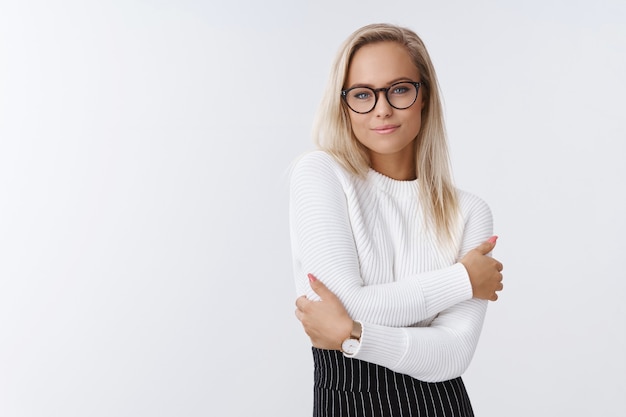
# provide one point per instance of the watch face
(350, 346)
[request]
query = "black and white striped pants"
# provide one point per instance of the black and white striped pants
(345, 387)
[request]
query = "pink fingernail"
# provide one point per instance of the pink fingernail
(492, 239)
(312, 277)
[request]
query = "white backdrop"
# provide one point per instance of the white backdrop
(145, 266)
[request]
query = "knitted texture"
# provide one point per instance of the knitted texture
(366, 240)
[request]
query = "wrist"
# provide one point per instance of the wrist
(344, 331)
(469, 277)
(357, 330)
(350, 345)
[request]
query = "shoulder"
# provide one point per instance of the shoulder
(313, 159)
(317, 165)
(472, 205)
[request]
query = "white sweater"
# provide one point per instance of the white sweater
(365, 239)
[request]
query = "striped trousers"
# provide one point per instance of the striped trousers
(345, 387)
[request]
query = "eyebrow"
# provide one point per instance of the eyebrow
(396, 80)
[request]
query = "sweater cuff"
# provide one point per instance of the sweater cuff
(381, 345)
(446, 288)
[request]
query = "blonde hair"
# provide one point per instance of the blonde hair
(333, 131)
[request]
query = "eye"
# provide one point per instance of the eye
(361, 94)
(400, 89)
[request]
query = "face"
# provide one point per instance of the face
(385, 131)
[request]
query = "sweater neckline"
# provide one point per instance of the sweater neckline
(408, 188)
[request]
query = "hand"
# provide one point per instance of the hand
(485, 272)
(326, 322)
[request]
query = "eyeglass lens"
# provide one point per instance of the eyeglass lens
(363, 99)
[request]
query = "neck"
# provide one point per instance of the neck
(400, 166)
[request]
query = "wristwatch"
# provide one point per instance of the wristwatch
(351, 345)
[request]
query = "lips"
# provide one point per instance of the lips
(386, 129)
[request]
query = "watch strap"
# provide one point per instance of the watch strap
(357, 330)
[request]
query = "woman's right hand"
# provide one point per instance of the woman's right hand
(484, 271)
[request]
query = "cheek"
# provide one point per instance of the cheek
(359, 123)
(419, 109)
(415, 122)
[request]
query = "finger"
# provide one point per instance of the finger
(494, 297)
(319, 288)
(487, 246)
(500, 287)
(499, 266)
(299, 314)
(301, 302)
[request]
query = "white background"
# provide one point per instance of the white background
(145, 264)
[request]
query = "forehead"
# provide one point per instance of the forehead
(380, 63)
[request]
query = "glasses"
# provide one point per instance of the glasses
(400, 96)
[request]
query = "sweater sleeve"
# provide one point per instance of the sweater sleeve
(323, 244)
(445, 348)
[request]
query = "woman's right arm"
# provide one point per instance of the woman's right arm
(323, 244)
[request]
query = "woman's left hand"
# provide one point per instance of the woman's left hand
(326, 322)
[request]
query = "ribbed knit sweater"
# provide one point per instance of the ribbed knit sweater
(365, 239)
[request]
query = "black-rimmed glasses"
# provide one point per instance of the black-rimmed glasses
(363, 100)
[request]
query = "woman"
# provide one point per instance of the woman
(390, 260)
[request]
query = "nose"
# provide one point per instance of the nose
(382, 107)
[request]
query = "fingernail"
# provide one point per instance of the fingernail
(492, 239)
(312, 277)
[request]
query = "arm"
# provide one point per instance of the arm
(443, 350)
(323, 244)
(439, 352)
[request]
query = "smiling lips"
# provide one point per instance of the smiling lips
(386, 129)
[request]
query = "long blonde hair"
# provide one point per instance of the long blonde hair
(333, 131)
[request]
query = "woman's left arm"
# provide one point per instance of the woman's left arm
(439, 352)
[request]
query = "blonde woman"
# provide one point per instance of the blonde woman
(391, 261)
